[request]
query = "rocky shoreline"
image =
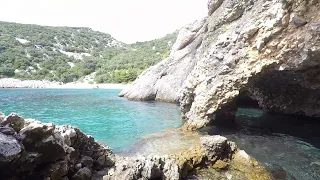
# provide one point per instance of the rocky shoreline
(16, 83)
(30, 149)
(39, 84)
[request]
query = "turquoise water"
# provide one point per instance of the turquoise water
(114, 121)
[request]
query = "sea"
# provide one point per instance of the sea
(288, 146)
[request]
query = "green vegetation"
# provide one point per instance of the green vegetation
(125, 66)
(67, 54)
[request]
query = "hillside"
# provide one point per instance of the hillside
(66, 54)
(125, 65)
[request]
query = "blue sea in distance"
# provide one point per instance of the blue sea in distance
(112, 120)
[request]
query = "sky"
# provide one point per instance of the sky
(126, 20)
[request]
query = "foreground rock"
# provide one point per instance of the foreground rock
(33, 150)
(266, 50)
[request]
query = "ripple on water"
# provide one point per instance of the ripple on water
(113, 121)
(166, 142)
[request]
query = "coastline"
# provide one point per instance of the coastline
(44, 84)
(87, 86)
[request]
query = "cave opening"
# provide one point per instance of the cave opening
(283, 102)
(282, 142)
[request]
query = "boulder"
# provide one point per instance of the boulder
(82, 174)
(86, 161)
(68, 134)
(28, 162)
(171, 169)
(105, 160)
(214, 146)
(35, 132)
(57, 170)
(51, 149)
(10, 149)
(14, 121)
(7, 130)
(151, 170)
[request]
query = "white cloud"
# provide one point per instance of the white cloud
(126, 20)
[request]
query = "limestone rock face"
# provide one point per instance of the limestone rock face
(30, 149)
(164, 80)
(268, 49)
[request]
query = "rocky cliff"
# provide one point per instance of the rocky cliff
(264, 50)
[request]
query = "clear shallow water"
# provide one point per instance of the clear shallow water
(289, 147)
(114, 121)
(166, 142)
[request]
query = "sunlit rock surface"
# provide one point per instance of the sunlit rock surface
(268, 49)
(164, 80)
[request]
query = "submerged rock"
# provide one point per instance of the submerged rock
(213, 153)
(268, 50)
(165, 142)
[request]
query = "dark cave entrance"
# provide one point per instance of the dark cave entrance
(283, 102)
(226, 116)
